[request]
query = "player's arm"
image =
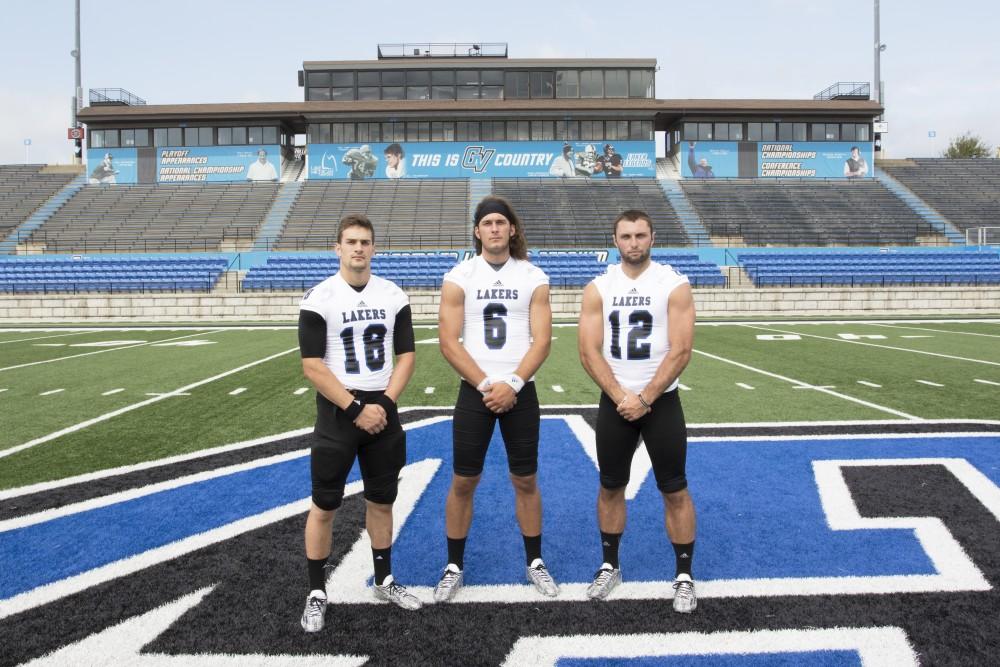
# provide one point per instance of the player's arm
(312, 345)
(680, 332)
(451, 316)
(591, 342)
(404, 347)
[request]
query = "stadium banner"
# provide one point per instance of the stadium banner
(487, 159)
(765, 159)
(175, 164)
(106, 166)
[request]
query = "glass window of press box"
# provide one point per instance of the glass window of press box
(770, 132)
(487, 130)
(474, 84)
(188, 136)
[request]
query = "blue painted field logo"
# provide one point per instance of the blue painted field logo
(477, 158)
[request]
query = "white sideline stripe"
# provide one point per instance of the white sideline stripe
(113, 391)
(122, 644)
(995, 384)
(744, 385)
(300, 391)
(3, 390)
(52, 391)
(916, 336)
(132, 494)
(87, 354)
(883, 347)
(869, 384)
(869, 404)
(817, 386)
(929, 383)
(558, 389)
(237, 391)
(944, 331)
(128, 408)
(428, 390)
(167, 393)
(180, 458)
(885, 646)
(25, 340)
(49, 345)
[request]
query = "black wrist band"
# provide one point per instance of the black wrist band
(643, 401)
(353, 409)
(387, 403)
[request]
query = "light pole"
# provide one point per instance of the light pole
(77, 91)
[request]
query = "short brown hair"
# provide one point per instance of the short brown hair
(355, 220)
(518, 243)
(632, 215)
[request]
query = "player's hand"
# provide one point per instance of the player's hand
(372, 419)
(631, 408)
(500, 397)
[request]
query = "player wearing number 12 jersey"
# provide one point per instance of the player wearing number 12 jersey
(495, 326)
(352, 326)
(636, 333)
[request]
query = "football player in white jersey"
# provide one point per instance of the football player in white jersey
(635, 338)
(356, 339)
(495, 326)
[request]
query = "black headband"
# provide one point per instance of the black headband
(493, 207)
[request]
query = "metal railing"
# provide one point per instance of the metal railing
(443, 50)
(103, 96)
(845, 90)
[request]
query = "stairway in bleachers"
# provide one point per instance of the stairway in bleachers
(24, 189)
(38, 218)
(919, 206)
(685, 212)
(276, 218)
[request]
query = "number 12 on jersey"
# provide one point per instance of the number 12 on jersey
(641, 322)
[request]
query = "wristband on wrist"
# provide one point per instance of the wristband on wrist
(643, 401)
(353, 409)
(387, 403)
(484, 385)
(515, 382)
(624, 398)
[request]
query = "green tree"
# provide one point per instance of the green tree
(968, 145)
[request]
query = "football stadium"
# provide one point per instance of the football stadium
(841, 396)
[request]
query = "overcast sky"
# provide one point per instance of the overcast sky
(941, 68)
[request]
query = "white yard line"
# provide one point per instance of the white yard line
(995, 384)
(237, 391)
(24, 340)
(113, 391)
(800, 383)
(109, 349)
(944, 331)
(929, 383)
(52, 391)
(869, 384)
(743, 385)
(128, 408)
(558, 389)
(884, 347)
(300, 391)
(683, 387)
(428, 390)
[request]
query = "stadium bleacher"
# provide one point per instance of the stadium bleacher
(114, 274)
(814, 212)
(407, 214)
(570, 212)
(967, 192)
(300, 272)
(183, 217)
(958, 267)
(23, 188)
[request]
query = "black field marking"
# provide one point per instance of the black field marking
(261, 589)
(43, 500)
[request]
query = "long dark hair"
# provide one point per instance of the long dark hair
(518, 242)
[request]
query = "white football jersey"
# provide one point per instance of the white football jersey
(359, 329)
(497, 331)
(635, 321)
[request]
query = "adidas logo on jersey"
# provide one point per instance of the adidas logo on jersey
(498, 284)
(362, 304)
(633, 291)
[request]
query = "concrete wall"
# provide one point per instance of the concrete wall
(719, 303)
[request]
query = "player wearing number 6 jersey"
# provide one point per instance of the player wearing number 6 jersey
(495, 327)
(636, 333)
(351, 328)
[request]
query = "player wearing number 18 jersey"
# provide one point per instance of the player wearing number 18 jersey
(636, 333)
(495, 327)
(351, 328)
